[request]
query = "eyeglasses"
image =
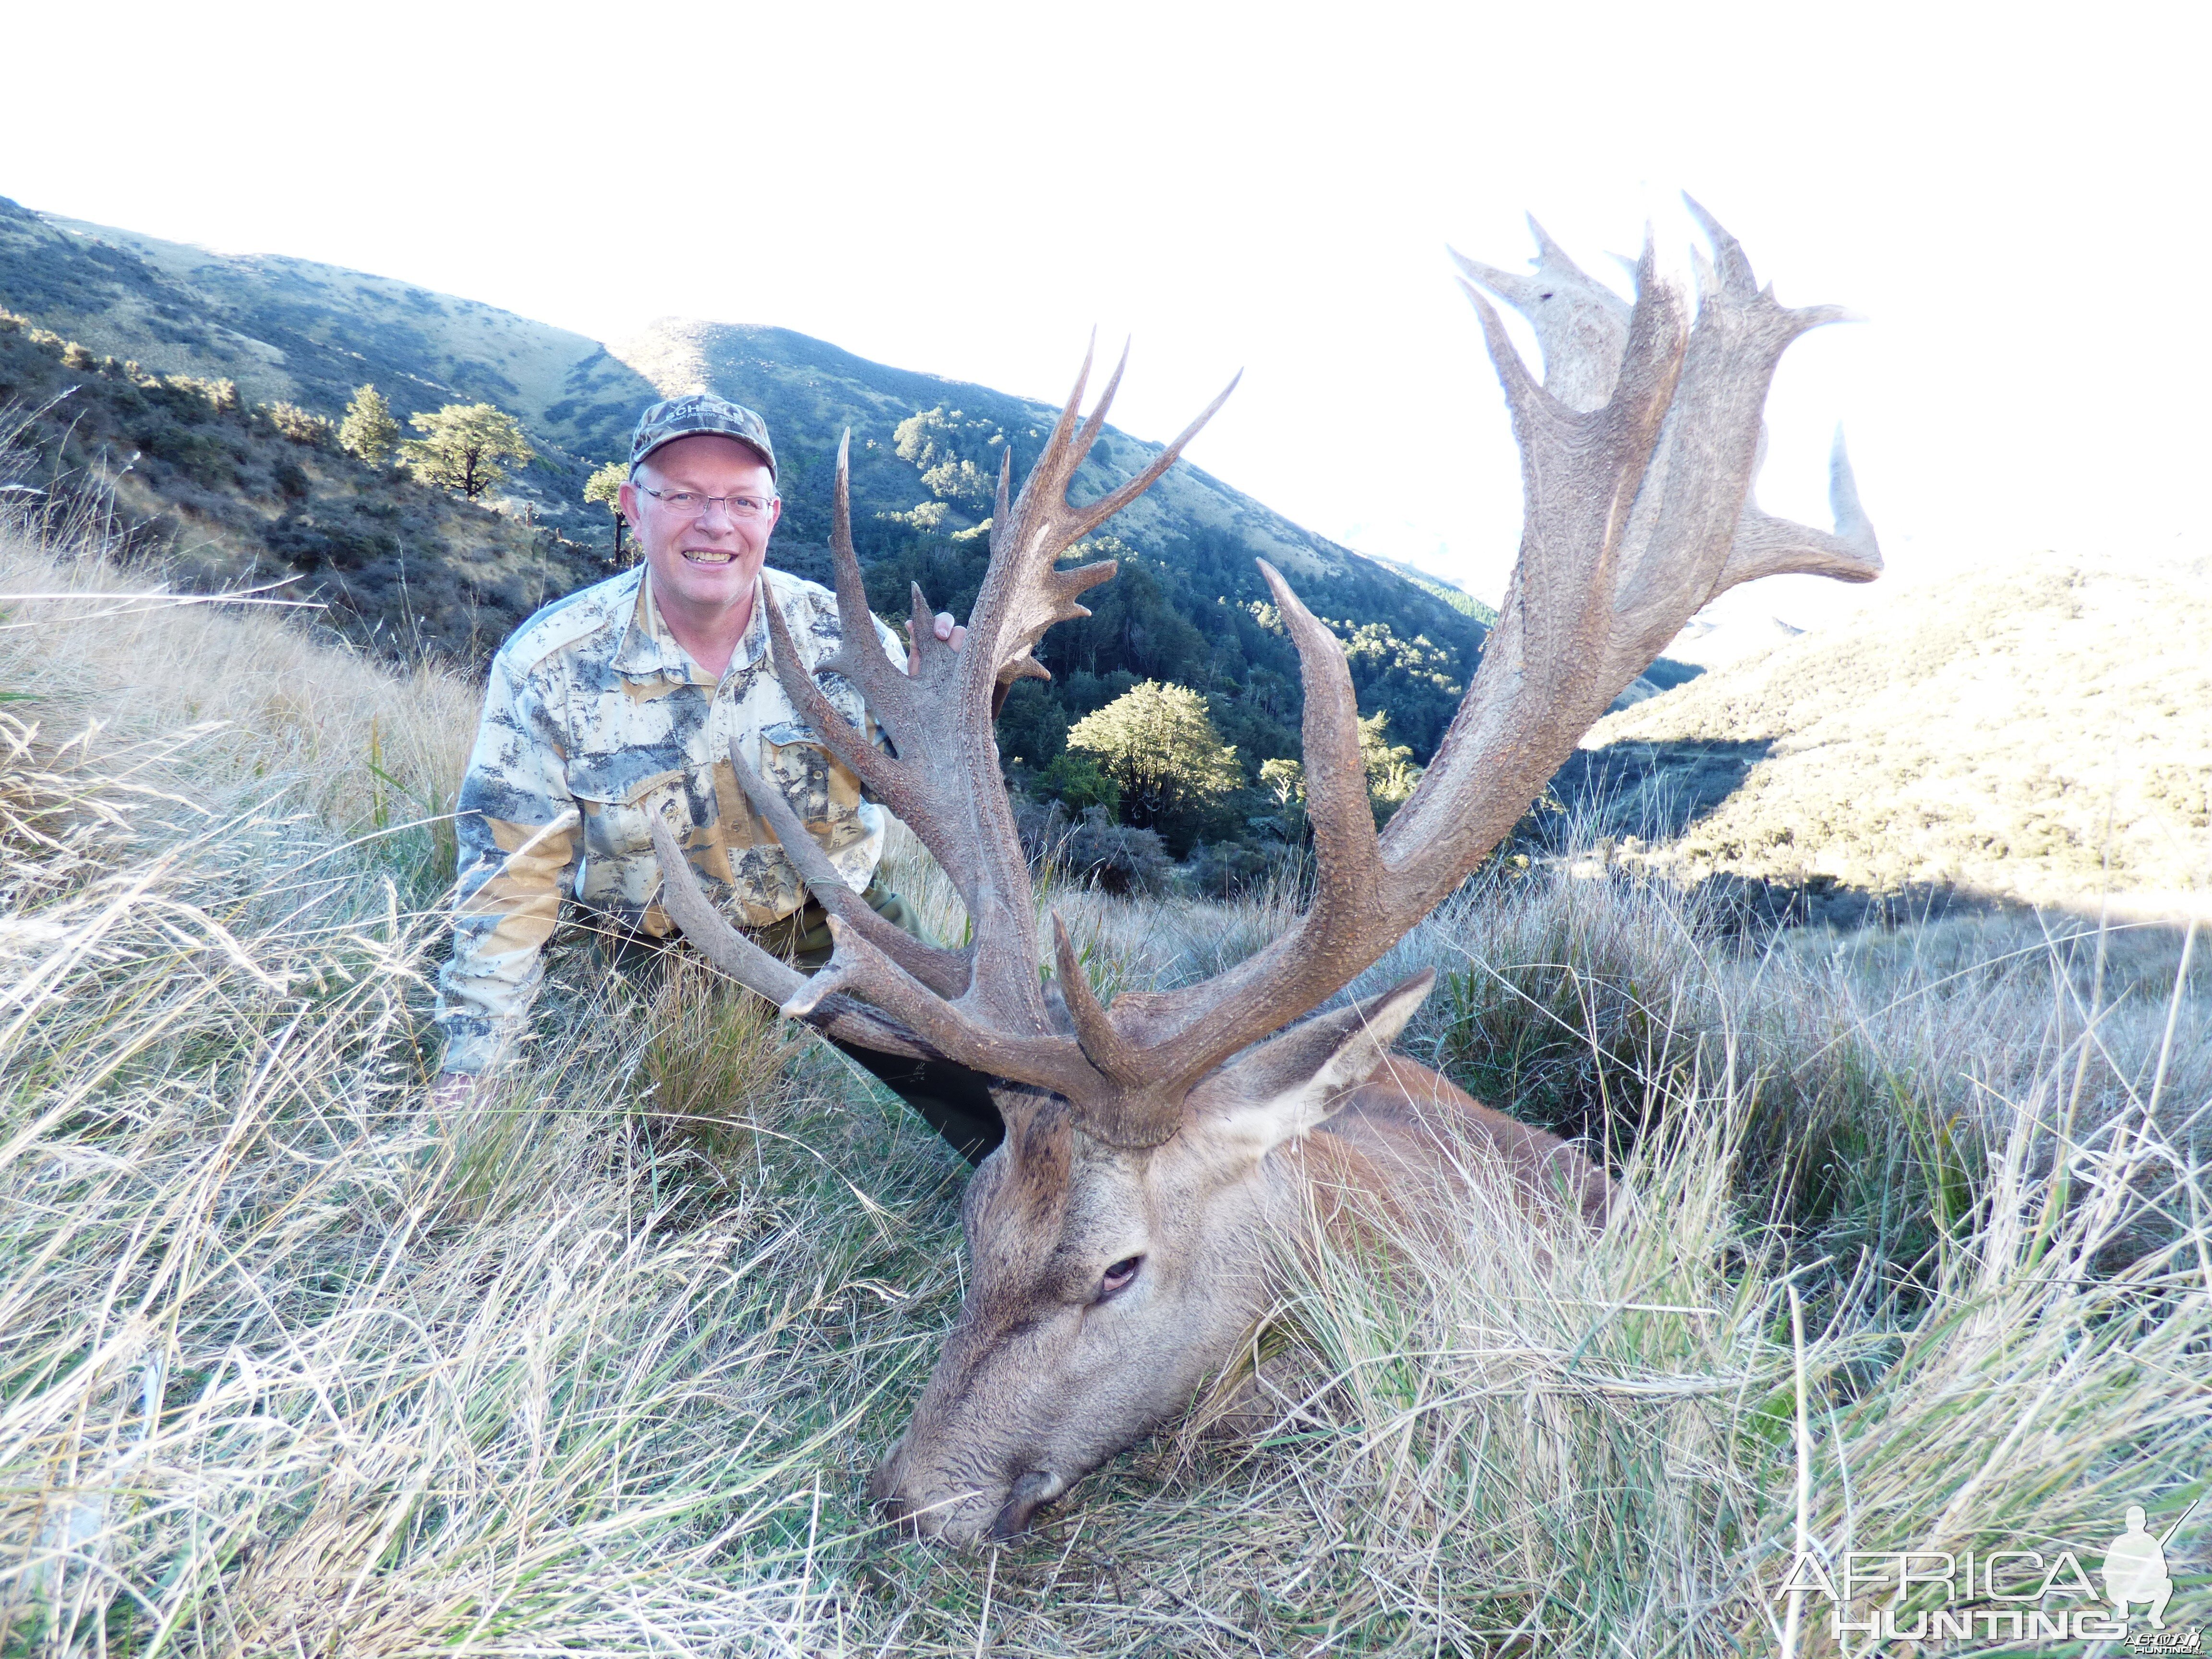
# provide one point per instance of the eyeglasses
(689, 504)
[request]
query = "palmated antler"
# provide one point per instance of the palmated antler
(1637, 477)
(1638, 449)
(983, 1005)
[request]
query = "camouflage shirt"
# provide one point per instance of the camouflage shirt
(596, 716)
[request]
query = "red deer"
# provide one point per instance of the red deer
(1118, 1238)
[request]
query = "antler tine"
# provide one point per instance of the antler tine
(1732, 266)
(888, 692)
(846, 741)
(945, 972)
(1072, 407)
(1768, 546)
(1102, 1045)
(859, 968)
(1000, 505)
(1087, 435)
(1336, 776)
(1181, 1036)
(760, 973)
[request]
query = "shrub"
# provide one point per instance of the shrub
(300, 426)
(1075, 781)
(368, 431)
(1224, 869)
(201, 455)
(291, 480)
(220, 396)
(1093, 849)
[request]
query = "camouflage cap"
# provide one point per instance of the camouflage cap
(697, 412)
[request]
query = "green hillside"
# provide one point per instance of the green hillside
(1188, 605)
(218, 493)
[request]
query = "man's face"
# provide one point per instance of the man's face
(701, 562)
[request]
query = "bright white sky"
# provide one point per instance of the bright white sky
(2004, 192)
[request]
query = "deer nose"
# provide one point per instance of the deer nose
(1022, 1501)
(884, 1482)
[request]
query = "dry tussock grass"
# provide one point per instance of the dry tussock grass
(289, 1366)
(300, 724)
(2041, 730)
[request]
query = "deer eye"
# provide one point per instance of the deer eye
(1118, 1277)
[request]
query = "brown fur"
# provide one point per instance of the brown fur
(1412, 1127)
(1048, 1373)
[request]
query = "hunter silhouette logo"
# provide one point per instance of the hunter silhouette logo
(2135, 1570)
(2014, 1594)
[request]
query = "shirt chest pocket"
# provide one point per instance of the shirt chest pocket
(794, 761)
(616, 810)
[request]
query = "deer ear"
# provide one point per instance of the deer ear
(1298, 1078)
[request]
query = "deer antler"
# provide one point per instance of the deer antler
(1635, 477)
(1638, 452)
(984, 1005)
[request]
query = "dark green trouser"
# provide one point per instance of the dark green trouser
(951, 1098)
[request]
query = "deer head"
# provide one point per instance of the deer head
(1116, 1237)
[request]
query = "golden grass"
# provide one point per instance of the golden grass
(2041, 730)
(278, 716)
(289, 1366)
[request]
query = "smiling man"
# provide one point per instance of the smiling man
(621, 700)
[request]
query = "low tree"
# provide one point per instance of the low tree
(462, 446)
(368, 430)
(1077, 784)
(1391, 774)
(301, 426)
(605, 488)
(1156, 742)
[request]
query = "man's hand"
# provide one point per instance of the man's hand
(946, 629)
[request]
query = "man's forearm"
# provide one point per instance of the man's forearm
(509, 902)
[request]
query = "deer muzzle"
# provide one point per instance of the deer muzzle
(966, 1511)
(1024, 1499)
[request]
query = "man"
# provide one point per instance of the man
(621, 701)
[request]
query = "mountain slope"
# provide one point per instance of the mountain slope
(307, 332)
(1188, 606)
(1978, 734)
(810, 391)
(178, 472)
(297, 330)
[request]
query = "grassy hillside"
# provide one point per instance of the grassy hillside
(291, 1366)
(2037, 733)
(216, 493)
(1189, 607)
(296, 331)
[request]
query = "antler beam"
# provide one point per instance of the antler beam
(1639, 450)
